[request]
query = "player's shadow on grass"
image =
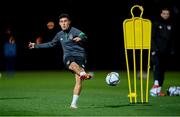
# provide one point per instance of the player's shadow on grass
(123, 105)
(15, 98)
(116, 106)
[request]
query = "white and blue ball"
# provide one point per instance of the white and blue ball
(112, 78)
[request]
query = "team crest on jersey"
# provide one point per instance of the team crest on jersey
(160, 27)
(168, 27)
(70, 36)
(68, 62)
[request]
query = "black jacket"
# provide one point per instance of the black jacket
(162, 32)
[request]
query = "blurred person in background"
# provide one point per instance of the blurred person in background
(162, 48)
(10, 55)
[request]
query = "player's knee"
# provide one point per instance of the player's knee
(78, 84)
(73, 66)
(78, 80)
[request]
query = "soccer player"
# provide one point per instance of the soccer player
(74, 57)
(162, 46)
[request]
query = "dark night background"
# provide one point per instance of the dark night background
(100, 20)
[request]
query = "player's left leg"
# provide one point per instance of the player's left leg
(76, 92)
(79, 71)
(161, 75)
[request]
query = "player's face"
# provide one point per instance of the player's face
(64, 23)
(165, 14)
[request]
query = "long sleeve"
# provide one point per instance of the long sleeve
(153, 40)
(82, 36)
(50, 44)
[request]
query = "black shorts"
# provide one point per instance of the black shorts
(81, 61)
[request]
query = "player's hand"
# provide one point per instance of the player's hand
(77, 39)
(31, 45)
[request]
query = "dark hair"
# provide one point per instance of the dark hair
(165, 8)
(64, 15)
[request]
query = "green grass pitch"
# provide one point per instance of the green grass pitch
(49, 93)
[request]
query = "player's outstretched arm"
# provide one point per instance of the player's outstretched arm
(31, 45)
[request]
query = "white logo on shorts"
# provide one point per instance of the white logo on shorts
(83, 65)
(68, 62)
(70, 36)
(169, 27)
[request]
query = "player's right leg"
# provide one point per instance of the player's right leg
(76, 92)
(158, 73)
(156, 70)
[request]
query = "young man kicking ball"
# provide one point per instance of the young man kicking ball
(71, 39)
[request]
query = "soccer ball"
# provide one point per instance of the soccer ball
(173, 91)
(112, 78)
